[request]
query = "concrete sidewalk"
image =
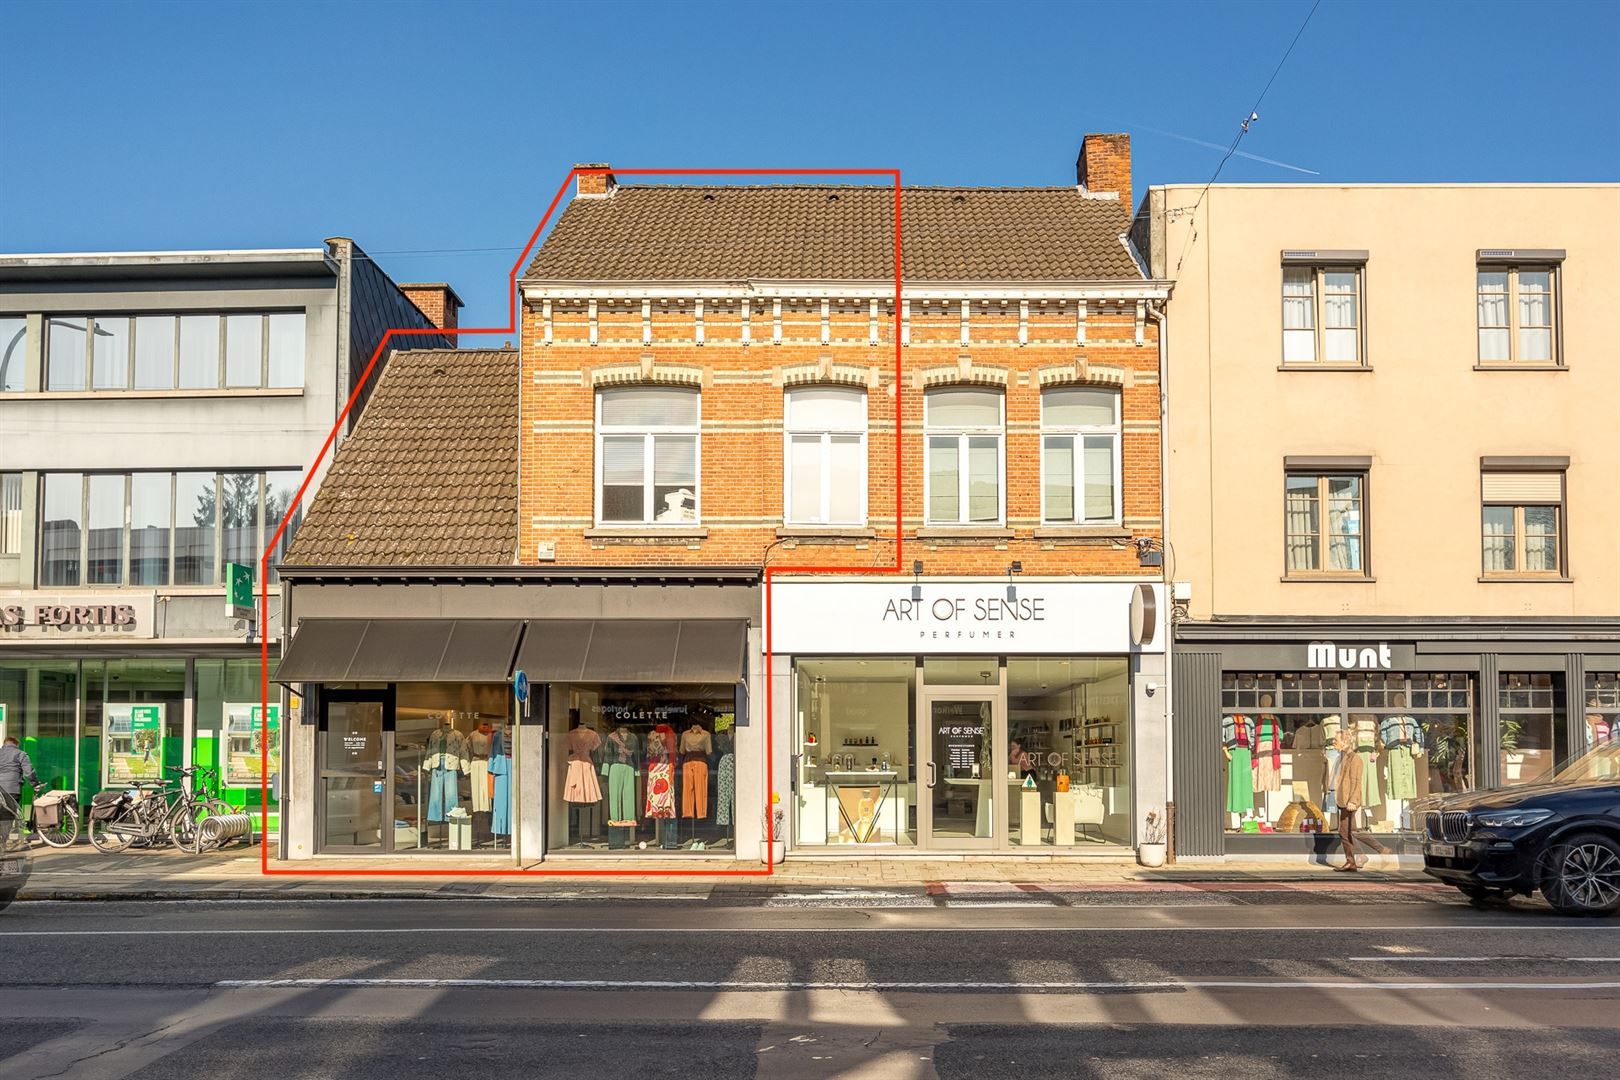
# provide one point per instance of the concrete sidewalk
(85, 874)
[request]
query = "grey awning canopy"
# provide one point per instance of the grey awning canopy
(634, 650)
(400, 650)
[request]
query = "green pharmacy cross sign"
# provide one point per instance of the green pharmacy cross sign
(239, 591)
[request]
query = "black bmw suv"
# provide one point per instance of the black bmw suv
(1561, 837)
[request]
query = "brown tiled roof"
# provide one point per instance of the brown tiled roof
(789, 232)
(429, 475)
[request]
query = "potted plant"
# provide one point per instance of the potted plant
(1152, 850)
(773, 844)
(1512, 758)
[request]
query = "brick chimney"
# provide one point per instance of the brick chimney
(1105, 165)
(594, 185)
(437, 301)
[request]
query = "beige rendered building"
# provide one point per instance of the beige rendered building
(1393, 494)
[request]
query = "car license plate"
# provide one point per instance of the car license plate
(1442, 851)
(11, 867)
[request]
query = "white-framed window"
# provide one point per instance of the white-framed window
(824, 455)
(1322, 315)
(1517, 314)
(1522, 523)
(647, 456)
(964, 442)
(1080, 456)
(1324, 523)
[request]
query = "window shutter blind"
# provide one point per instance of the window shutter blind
(826, 409)
(649, 407)
(1524, 487)
(963, 408)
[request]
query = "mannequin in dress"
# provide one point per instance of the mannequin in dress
(1237, 743)
(696, 746)
(1267, 752)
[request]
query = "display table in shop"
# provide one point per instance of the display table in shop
(864, 807)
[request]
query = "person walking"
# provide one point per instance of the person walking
(1348, 793)
(14, 765)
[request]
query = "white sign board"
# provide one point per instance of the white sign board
(940, 616)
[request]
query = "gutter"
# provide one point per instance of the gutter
(1162, 319)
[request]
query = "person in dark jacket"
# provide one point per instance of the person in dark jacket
(14, 765)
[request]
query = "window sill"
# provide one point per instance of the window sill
(647, 532)
(964, 532)
(824, 532)
(1342, 579)
(1520, 367)
(146, 395)
(1524, 579)
(1082, 532)
(1324, 367)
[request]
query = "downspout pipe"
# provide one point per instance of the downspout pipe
(1161, 318)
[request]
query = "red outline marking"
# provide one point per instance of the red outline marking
(515, 326)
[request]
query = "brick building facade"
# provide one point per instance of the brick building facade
(710, 384)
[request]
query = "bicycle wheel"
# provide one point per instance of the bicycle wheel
(66, 829)
(109, 843)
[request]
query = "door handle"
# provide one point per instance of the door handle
(933, 776)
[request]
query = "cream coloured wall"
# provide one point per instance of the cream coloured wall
(1422, 412)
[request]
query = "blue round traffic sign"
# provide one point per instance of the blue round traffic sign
(520, 686)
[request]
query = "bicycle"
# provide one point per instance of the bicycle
(154, 813)
(53, 816)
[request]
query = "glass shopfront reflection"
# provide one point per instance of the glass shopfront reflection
(962, 752)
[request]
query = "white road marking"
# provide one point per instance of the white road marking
(1482, 959)
(736, 930)
(885, 986)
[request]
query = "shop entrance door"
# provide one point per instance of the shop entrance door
(356, 736)
(962, 806)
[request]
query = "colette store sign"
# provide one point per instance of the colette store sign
(34, 616)
(854, 618)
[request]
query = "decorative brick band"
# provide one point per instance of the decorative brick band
(964, 372)
(1082, 372)
(825, 371)
(649, 370)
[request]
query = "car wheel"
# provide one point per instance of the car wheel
(1581, 875)
(6, 898)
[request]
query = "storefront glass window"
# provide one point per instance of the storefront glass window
(134, 717)
(1069, 731)
(961, 671)
(239, 518)
(1284, 734)
(1533, 743)
(854, 762)
(106, 529)
(452, 767)
(230, 726)
(642, 768)
(195, 503)
(61, 529)
(1602, 709)
(41, 699)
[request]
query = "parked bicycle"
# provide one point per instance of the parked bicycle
(53, 817)
(156, 813)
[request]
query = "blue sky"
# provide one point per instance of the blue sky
(418, 127)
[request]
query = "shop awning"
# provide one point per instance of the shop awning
(400, 650)
(634, 650)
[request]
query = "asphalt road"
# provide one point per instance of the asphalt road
(1338, 986)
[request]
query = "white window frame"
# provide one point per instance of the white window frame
(1077, 434)
(790, 432)
(648, 434)
(1319, 272)
(962, 435)
(1514, 324)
